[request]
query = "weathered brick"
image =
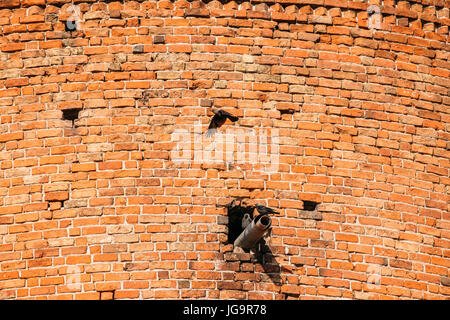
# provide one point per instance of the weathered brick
(361, 129)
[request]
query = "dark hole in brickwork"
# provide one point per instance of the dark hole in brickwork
(309, 205)
(71, 114)
(261, 255)
(287, 111)
(236, 211)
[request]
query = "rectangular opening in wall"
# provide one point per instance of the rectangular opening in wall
(238, 215)
(309, 205)
(71, 114)
(286, 111)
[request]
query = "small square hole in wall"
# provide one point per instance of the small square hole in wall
(286, 111)
(309, 205)
(71, 114)
(236, 212)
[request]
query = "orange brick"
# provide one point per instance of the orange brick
(56, 196)
(10, 47)
(76, 167)
(360, 123)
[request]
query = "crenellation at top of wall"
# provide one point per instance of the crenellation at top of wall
(413, 8)
(415, 20)
(420, 19)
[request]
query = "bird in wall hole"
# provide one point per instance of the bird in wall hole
(219, 118)
(246, 220)
(265, 210)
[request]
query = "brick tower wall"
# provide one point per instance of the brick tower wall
(98, 97)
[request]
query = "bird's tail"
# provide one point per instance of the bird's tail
(233, 118)
(210, 132)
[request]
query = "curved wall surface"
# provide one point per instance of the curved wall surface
(110, 188)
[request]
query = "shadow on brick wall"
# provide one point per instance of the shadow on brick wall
(266, 258)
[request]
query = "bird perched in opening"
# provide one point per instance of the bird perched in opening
(219, 118)
(265, 210)
(246, 220)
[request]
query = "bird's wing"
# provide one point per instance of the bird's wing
(212, 124)
(229, 116)
(266, 210)
(233, 118)
(212, 128)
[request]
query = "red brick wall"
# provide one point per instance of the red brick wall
(99, 209)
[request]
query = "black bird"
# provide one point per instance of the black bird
(265, 210)
(246, 220)
(219, 118)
